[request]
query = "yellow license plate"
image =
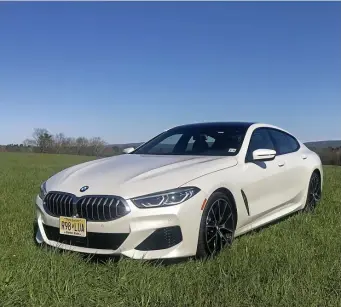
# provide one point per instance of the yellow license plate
(72, 226)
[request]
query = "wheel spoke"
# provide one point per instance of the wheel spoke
(213, 214)
(211, 242)
(214, 236)
(223, 239)
(219, 210)
(222, 216)
(217, 243)
(226, 229)
(225, 220)
(316, 197)
(312, 199)
(315, 184)
(226, 238)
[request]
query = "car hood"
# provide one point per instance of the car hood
(133, 175)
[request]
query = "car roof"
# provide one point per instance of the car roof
(235, 124)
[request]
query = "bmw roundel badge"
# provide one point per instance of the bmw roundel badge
(83, 189)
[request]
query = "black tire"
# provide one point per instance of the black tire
(216, 227)
(314, 192)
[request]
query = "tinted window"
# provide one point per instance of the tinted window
(260, 139)
(167, 145)
(207, 140)
(284, 142)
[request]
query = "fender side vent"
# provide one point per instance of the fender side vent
(246, 203)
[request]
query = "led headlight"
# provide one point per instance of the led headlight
(43, 191)
(165, 198)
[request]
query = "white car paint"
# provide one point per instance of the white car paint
(274, 188)
(134, 175)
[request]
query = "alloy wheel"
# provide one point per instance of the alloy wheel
(314, 191)
(219, 226)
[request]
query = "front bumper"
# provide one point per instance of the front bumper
(153, 233)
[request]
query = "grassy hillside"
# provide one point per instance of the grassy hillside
(293, 263)
(324, 144)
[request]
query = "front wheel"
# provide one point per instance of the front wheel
(314, 192)
(217, 226)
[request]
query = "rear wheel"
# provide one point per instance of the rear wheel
(314, 192)
(217, 225)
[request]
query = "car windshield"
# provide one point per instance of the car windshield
(205, 140)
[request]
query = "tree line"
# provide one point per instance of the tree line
(44, 142)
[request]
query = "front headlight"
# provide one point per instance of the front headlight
(166, 198)
(42, 192)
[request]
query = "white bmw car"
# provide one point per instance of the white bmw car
(187, 192)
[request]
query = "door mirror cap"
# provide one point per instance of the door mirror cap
(128, 150)
(263, 154)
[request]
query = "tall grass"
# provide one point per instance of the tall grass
(294, 263)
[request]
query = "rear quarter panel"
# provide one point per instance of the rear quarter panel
(314, 162)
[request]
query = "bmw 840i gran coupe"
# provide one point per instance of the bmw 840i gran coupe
(189, 191)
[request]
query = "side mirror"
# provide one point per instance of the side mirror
(263, 154)
(128, 150)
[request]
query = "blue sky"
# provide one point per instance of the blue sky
(126, 71)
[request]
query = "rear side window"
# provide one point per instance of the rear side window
(284, 142)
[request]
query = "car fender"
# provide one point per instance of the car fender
(223, 179)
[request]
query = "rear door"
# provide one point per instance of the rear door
(288, 150)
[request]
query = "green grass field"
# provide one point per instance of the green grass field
(296, 262)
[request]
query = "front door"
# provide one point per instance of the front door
(264, 181)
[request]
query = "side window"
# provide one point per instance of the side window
(293, 143)
(167, 145)
(260, 139)
(284, 142)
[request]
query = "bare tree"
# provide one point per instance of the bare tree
(59, 142)
(97, 145)
(29, 142)
(43, 139)
(81, 143)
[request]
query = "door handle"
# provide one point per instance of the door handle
(304, 157)
(280, 164)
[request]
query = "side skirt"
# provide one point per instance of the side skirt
(269, 218)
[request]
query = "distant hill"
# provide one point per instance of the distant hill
(324, 144)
